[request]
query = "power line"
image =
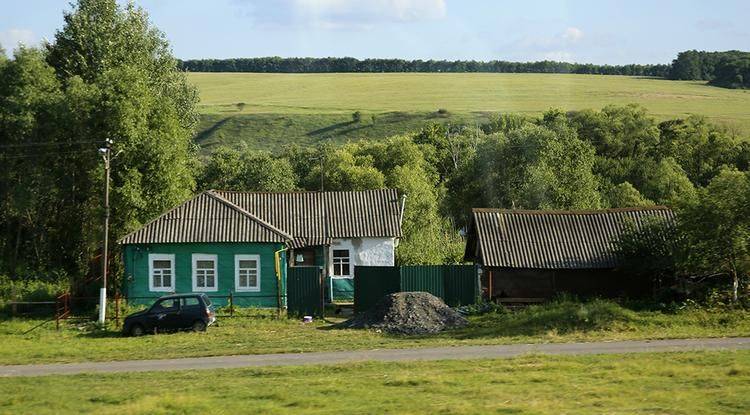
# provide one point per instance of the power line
(22, 145)
(45, 154)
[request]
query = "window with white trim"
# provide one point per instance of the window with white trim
(247, 272)
(204, 273)
(341, 263)
(161, 272)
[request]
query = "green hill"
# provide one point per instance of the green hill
(309, 108)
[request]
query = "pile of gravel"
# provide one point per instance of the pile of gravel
(408, 313)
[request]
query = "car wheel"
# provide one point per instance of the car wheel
(199, 326)
(137, 330)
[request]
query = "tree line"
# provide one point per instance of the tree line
(730, 69)
(277, 64)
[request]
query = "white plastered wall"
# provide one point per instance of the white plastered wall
(365, 251)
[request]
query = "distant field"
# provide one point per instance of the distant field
(308, 108)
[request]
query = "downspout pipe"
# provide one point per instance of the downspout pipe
(277, 268)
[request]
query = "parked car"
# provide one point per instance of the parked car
(172, 313)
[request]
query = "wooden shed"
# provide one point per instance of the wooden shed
(536, 254)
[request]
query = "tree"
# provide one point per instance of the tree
(257, 171)
(118, 81)
(717, 228)
(698, 146)
(547, 167)
(625, 195)
(33, 149)
(617, 131)
(650, 250)
(666, 183)
(344, 169)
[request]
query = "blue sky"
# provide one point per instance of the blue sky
(615, 32)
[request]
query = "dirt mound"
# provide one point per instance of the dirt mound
(408, 313)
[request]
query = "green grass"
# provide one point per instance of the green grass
(669, 383)
(556, 322)
(308, 108)
(272, 131)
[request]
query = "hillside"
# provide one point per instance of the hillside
(309, 108)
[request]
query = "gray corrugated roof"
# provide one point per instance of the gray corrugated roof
(298, 218)
(553, 239)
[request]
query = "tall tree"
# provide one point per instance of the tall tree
(717, 227)
(119, 81)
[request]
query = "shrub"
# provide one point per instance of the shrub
(240, 106)
(30, 290)
(443, 112)
(356, 116)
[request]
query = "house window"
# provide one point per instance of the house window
(161, 272)
(204, 272)
(341, 263)
(247, 272)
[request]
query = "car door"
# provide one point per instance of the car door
(165, 314)
(191, 311)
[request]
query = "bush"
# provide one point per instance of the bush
(481, 308)
(356, 116)
(443, 112)
(30, 290)
(564, 315)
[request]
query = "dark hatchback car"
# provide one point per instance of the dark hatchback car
(172, 313)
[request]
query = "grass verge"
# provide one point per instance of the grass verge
(562, 321)
(674, 383)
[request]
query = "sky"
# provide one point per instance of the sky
(601, 32)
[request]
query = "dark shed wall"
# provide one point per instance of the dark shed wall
(539, 283)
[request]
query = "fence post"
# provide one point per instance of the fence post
(14, 305)
(231, 304)
(117, 310)
(57, 313)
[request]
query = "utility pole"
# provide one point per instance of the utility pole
(321, 171)
(106, 152)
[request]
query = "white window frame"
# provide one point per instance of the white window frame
(237, 259)
(160, 257)
(205, 257)
(333, 263)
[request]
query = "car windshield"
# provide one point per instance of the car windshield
(206, 300)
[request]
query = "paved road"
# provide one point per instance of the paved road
(382, 355)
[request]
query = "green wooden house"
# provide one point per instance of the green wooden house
(241, 243)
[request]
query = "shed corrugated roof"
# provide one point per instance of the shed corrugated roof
(297, 218)
(553, 239)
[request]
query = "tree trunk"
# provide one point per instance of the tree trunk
(735, 285)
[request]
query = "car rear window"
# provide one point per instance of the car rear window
(206, 300)
(192, 301)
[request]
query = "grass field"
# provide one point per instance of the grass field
(669, 383)
(556, 322)
(309, 108)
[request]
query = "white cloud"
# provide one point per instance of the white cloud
(572, 34)
(11, 38)
(343, 14)
(558, 55)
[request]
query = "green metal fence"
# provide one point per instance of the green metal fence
(372, 283)
(455, 284)
(304, 291)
